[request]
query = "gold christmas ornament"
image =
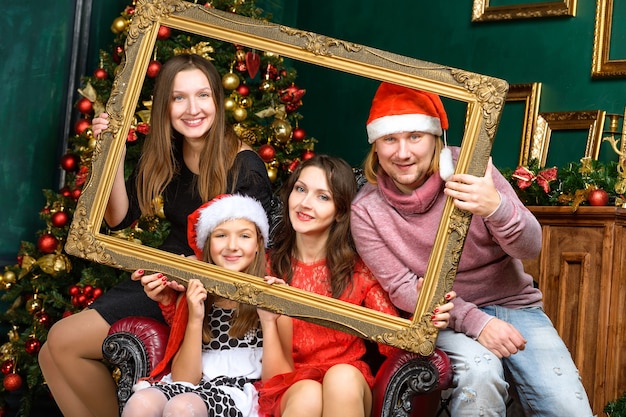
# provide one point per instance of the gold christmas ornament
(14, 334)
(54, 264)
(267, 86)
(240, 114)
(9, 276)
(6, 350)
(281, 130)
(240, 55)
(230, 104)
(245, 102)
(119, 25)
(272, 173)
(34, 304)
(230, 81)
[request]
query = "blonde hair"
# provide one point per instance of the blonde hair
(371, 163)
(158, 164)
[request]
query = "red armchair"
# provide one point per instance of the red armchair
(406, 385)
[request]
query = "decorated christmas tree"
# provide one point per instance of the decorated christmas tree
(46, 284)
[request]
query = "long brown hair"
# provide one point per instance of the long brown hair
(371, 163)
(158, 164)
(341, 253)
(246, 318)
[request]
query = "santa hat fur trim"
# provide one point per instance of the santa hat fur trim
(398, 109)
(220, 209)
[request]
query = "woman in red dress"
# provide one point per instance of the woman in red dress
(323, 373)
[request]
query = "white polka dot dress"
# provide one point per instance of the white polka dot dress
(230, 368)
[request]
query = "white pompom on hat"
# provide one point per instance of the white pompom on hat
(398, 109)
(202, 222)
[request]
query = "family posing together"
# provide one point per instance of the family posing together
(368, 247)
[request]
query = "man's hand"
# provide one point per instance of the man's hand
(501, 338)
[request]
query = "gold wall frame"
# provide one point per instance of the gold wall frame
(530, 94)
(482, 12)
(483, 95)
(602, 66)
(592, 121)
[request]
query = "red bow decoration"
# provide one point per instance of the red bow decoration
(525, 178)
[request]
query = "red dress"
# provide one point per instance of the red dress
(317, 348)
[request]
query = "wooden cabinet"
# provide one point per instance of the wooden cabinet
(582, 273)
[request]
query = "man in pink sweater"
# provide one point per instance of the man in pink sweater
(497, 325)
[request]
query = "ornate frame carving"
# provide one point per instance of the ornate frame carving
(483, 95)
(592, 121)
(482, 12)
(530, 94)
(601, 64)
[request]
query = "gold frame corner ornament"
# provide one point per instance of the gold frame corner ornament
(602, 66)
(483, 12)
(484, 97)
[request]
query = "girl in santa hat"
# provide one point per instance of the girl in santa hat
(213, 355)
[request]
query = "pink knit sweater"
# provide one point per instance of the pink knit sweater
(395, 233)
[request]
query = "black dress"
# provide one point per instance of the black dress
(180, 199)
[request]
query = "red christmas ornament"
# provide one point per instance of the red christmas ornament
(308, 154)
(44, 319)
(12, 382)
(598, 197)
(243, 90)
(47, 243)
(253, 61)
(65, 191)
(118, 51)
(59, 219)
(293, 165)
(164, 33)
(76, 192)
(298, 134)
(101, 74)
(84, 105)
(154, 67)
(81, 125)
(267, 152)
(45, 210)
(74, 290)
(70, 162)
(97, 292)
(32, 345)
(67, 313)
(7, 366)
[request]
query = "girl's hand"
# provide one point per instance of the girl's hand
(267, 316)
(196, 295)
(441, 314)
(273, 280)
(157, 287)
(100, 123)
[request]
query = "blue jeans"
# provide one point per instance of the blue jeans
(544, 374)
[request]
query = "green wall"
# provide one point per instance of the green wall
(37, 60)
(554, 51)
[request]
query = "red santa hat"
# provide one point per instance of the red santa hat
(398, 109)
(224, 207)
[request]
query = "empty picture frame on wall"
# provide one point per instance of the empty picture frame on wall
(601, 64)
(483, 12)
(530, 94)
(591, 122)
(483, 97)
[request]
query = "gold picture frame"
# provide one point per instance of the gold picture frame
(482, 12)
(592, 121)
(602, 66)
(530, 94)
(483, 95)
